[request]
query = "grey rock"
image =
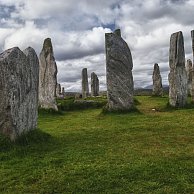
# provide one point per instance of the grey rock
(189, 68)
(94, 85)
(119, 67)
(177, 76)
(192, 39)
(58, 90)
(85, 87)
(47, 77)
(157, 81)
(192, 84)
(63, 92)
(19, 91)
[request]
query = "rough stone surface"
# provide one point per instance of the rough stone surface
(94, 85)
(192, 38)
(192, 85)
(63, 92)
(19, 91)
(119, 67)
(189, 68)
(157, 81)
(85, 87)
(58, 90)
(177, 76)
(47, 77)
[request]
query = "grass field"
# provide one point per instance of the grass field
(84, 151)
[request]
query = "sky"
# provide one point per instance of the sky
(77, 29)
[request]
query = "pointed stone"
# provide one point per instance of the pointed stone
(119, 67)
(157, 81)
(177, 76)
(94, 85)
(19, 91)
(85, 87)
(47, 77)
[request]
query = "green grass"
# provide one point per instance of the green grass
(84, 151)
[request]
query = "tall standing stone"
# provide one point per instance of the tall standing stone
(192, 84)
(157, 81)
(58, 90)
(94, 85)
(177, 76)
(19, 91)
(47, 77)
(33, 98)
(189, 68)
(85, 87)
(63, 92)
(119, 67)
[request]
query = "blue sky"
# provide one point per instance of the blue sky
(77, 29)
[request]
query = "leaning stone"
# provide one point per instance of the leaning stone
(85, 87)
(47, 77)
(19, 91)
(94, 85)
(177, 76)
(157, 81)
(119, 67)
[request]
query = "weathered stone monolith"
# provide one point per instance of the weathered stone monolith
(157, 81)
(58, 90)
(85, 87)
(47, 77)
(177, 76)
(18, 91)
(63, 92)
(189, 68)
(119, 67)
(192, 84)
(94, 85)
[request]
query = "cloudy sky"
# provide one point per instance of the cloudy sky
(77, 29)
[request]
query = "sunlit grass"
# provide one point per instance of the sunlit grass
(85, 151)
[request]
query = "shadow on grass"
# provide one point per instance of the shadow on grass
(50, 111)
(31, 138)
(169, 108)
(133, 110)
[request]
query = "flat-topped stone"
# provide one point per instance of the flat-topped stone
(19, 91)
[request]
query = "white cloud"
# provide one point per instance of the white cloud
(77, 31)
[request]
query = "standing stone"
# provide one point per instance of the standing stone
(94, 85)
(119, 67)
(157, 81)
(192, 84)
(177, 76)
(19, 91)
(192, 38)
(63, 92)
(47, 77)
(85, 87)
(58, 90)
(189, 68)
